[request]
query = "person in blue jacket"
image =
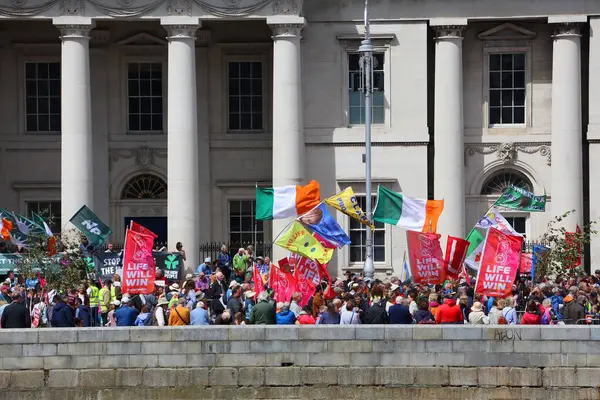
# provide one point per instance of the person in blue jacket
(63, 316)
(126, 315)
(285, 316)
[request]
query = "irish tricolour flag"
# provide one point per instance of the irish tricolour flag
(286, 201)
(407, 212)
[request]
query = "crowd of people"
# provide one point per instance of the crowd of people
(222, 292)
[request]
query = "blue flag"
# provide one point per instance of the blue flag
(325, 225)
(539, 252)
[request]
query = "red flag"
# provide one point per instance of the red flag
(259, 286)
(307, 268)
(134, 226)
(306, 287)
(51, 246)
(570, 239)
(139, 267)
(499, 264)
(526, 263)
(456, 252)
(283, 284)
(426, 257)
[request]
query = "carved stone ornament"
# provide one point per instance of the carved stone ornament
(508, 153)
(286, 30)
(75, 30)
(179, 7)
(232, 3)
(125, 3)
(144, 156)
(18, 3)
(181, 31)
(286, 7)
(449, 31)
(72, 7)
(567, 29)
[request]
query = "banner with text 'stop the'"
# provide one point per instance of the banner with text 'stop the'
(91, 226)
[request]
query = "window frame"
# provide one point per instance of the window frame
(498, 48)
(46, 54)
(126, 60)
(240, 232)
(255, 56)
(386, 266)
(163, 97)
(520, 214)
(351, 47)
(47, 199)
(366, 228)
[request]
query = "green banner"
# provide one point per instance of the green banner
(516, 198)
(8, 262)
(90, 225)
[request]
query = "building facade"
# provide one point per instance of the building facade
(172, 111)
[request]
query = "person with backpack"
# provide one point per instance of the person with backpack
(144, 318)
(160, 315)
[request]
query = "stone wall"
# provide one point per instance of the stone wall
(454, 362)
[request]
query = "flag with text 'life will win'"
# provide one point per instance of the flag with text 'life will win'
(499, 264)
(139, 267)
(426, 257)
(91, 226)
(407, 212)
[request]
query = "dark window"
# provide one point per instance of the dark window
(242, 228)
(245, 96)
(498, 182)
(42, 97)
(145, 97)
(358, 236)
(49, 210)
(507, 89)
(145, 186)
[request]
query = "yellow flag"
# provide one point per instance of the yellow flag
(299, 240)
(346, 202)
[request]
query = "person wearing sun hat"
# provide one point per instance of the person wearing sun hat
(160, 312)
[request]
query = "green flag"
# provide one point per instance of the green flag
(91, 226)
(474, 238)
(42, 224)
(520, 199)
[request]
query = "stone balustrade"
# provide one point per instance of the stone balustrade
(301, 362)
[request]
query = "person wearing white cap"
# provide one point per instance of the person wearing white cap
(205, 267)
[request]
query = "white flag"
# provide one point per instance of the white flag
(494, 219)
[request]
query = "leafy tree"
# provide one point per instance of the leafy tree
(564, 248)
(62, 271)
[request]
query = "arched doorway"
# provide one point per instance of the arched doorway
(146, 189)
(495, 185)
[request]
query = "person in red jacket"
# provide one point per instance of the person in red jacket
(532, 314)
(449, 312)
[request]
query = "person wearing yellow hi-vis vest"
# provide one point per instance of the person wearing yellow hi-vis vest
(94, 295)
(105, 300)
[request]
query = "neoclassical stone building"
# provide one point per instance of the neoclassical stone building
(171, 111)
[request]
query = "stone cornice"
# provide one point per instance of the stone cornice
(139, 8)
(281, 31)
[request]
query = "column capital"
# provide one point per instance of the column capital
(567, 29)
(449, 31)
(74, 27)
(286, 26)
(181, 27)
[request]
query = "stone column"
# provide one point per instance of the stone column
(288, 129)
(77, 182)
(567, 164)
(182, 132)
(449, 180)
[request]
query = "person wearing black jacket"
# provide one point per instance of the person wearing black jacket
(63, 315)
(376, 314)
(16, 315)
